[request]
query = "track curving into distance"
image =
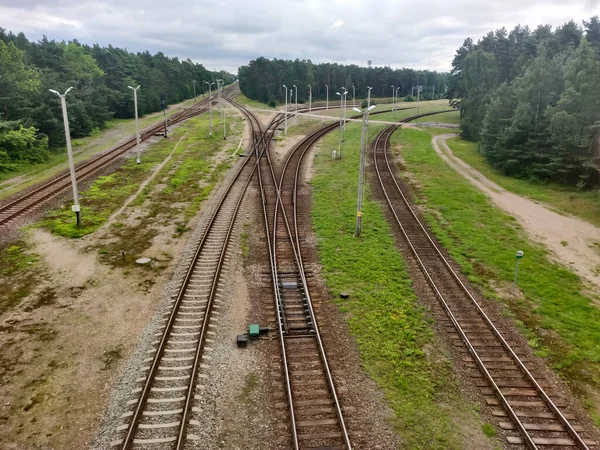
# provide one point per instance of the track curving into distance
(529, 411)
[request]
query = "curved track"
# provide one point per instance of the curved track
(510, 383)
(33, 199)
(163, 404)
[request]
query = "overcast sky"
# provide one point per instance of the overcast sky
(224, 34)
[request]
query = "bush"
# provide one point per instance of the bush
(272, 103)
(409, 98)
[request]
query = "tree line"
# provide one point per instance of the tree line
(30, 116)
(532, 100)
(263, 79)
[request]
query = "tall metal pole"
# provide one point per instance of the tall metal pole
(344, 107)
(209, 108)
(339, 153)
(309, 99)
(194, 83)
(296, 104)
(361, 169)
(63, 102)
(327, 101)
(137, 125)
(418, 97)
(393, 98)
(219, 97)
(395, 114)
(368, 101)
(286, 108)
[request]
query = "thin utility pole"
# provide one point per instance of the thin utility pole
(286, 108)
(63, 102)
(209, 108)
(194, 83)
(361, 171)
(309, 99)
(137, 125)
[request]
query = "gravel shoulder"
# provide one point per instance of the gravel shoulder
(571, 240)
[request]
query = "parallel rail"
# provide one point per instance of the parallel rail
(509, 379)
(164, 402)
(40, 194)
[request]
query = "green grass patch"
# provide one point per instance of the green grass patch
(175, 194)
(243, 100)
(583, 204)
(396, 344)
(449, 117)
(108, 193)
(16, 275)
(557, 318)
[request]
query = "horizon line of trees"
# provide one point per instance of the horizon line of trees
(531, 99)
(263, 79)
(31, 124)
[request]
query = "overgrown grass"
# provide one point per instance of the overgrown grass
(174, 196)
(560, 321)
(449, 117)
(108, 193)
(583, 204)
(83, 148)
(243, 100)
(391, 329)
(16, 274)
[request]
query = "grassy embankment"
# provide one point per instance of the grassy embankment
(583, 204)
(557, 317)
(188, 177)
(449, 117)
(83, 148)
(396, 344)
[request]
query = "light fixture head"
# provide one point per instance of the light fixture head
(357, 110)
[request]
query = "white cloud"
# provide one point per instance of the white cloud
(228, 33)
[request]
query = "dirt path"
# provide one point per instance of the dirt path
(571, 240)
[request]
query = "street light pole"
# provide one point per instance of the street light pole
(63, 102)
(339, 154)
(353, 96)
(286, 108)
(361, 170)
(327, 101)
(344, 107)
(219, 97)
(194, 83)
(296, 104)
(137, 125)
(309, 99)
(393, 98)
(209, 108)
(368, 101)
(418, 97)
(396, 101)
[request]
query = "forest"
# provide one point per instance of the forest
(263, 79)
(31, 123)
(531, 99)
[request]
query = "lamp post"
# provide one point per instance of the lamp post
(309, 99)
(344, 98)
(209, 108)
(353, 96)
(368, 101)
(339, 154)
(418, 97)
(194, 83)
(63, 102)
(361, 170)
(327, 98)
(398, 87)
(393, 98)
(219, 82)
(286, 109)
(295, 104)
(137, 125)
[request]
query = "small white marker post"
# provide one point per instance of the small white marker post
(519, 256)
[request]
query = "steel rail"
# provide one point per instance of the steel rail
(128, 441)
(88, 167)
(528, 439)
(307, 143)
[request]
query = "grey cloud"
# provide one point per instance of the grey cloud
(229, 33)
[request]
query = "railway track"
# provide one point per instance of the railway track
(33, 199)
(314, 410)
(164, 404)
(528, 409)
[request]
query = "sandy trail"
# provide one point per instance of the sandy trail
(540, 222)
